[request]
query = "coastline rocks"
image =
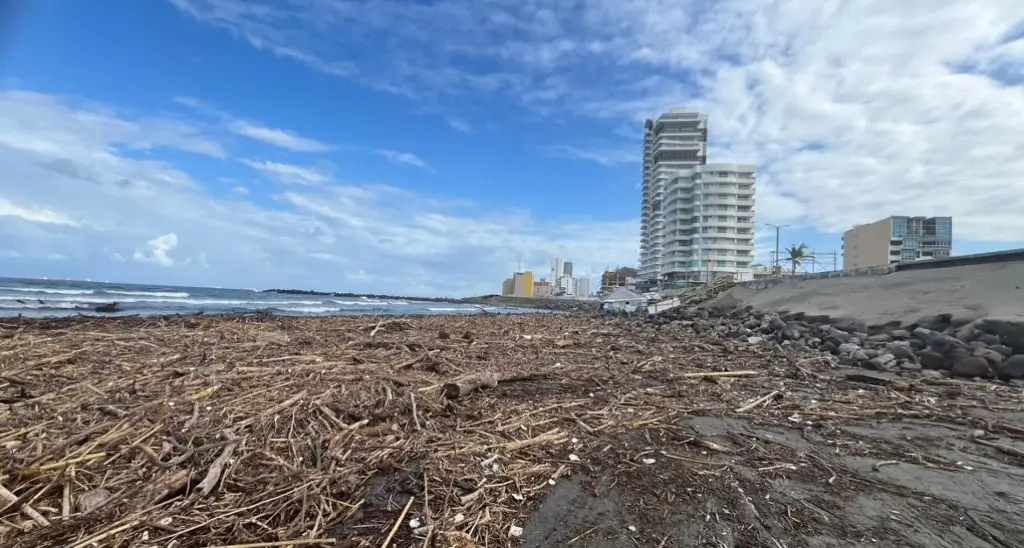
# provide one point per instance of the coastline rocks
(935, 346)
(1012, 368)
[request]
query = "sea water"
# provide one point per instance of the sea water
(52, 298)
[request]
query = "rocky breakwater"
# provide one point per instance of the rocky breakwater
(939, 345)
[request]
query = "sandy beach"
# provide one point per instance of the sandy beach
(535, 430)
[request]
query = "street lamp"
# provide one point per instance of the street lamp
(777, 228)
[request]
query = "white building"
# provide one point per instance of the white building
(582, 287)
(708, 226)
(556, 269)
(676, 141)
(568, 286)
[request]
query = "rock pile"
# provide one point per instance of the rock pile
(938, 345)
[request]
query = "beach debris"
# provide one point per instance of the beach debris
(311, 429)
(91, 500)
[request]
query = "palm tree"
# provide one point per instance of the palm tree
(796, 255)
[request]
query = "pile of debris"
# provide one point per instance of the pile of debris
(461, 432)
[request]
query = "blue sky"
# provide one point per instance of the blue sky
(427, 147)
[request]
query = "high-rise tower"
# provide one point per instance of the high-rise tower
(676, 141)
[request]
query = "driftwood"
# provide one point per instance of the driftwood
(460, 386)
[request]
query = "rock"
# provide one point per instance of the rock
(838, 337)
(930, 359)
(1010, 333)
(1006, 351)
(754, 340)
(882, 362)
(859, 356)
(846, 349)
(777, 324)
(790, 333)
(1012, 368)
(966, 333)
(976, 345)
(900, 351)
(90, 500)
(989, 339)
(851, 326)
(938, 322)
(899, 334)
(971, 367)
(827, 346)
(923, 334)
(909, 366)
(879, 338)
(945, 343)
(931, 373)
(994, 359)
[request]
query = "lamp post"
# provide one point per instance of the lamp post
(775, 270)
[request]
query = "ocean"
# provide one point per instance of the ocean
(40, 298)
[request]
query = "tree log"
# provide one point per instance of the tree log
(461, 386)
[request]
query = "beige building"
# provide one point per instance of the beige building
(897, 239)
(508, 287)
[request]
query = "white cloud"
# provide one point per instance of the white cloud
(603, 156)
(288, 140)
(156, 211)
(157, 250)
(240, 190)
(288, 173)
(407, 158)
(460, 125)
(33, 214)
(852, 110)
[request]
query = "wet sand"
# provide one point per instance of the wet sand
(542, 431)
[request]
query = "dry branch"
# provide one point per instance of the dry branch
(461, 386)
(245, 432)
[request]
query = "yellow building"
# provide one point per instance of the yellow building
(523, 284)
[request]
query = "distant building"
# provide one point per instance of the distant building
(582, 287)
(508, 287)
(567, 286)
(617, 278)
(556, 269)
(567, 268)
(897, 239)
(522, 284)
(541, 288)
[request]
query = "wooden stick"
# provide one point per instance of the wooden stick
(415, 416)
(213, 475)
(398, 523)
(295, 542)
(757, 402)
(720, 374)
(25, 508)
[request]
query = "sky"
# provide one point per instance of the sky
(429, 147)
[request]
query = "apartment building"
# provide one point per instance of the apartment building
(676, 140)
(708, 226)
(897, 239)
(522, 284)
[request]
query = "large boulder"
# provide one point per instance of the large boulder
(971, 367)
(1012, 368)
(1010, 332)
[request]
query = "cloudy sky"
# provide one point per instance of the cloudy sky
(427, 146)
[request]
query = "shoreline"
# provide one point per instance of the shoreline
(476, 429)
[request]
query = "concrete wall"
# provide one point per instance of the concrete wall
(1013, 255)
(765, 283)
